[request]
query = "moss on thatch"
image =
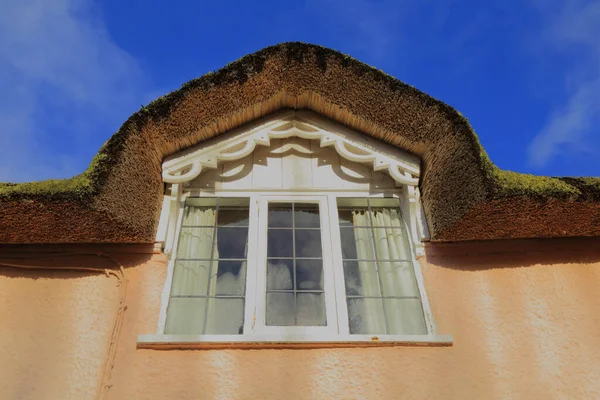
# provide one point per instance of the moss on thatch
(123, 180)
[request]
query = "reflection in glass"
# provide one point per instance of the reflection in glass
(231, 277)
(232, 242)
(309, 274)
(280, 243)
(280, 215)
(280, 274)
(308, 243)
(280, 309)
(306, 215)
(310, 309)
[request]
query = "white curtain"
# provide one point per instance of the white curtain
(404, 316)
(185, 315)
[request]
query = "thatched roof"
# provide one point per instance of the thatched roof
(465, 196)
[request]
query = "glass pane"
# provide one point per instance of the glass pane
(308, 243)
(361, 278)
(398, 279)
(200, 212)
(280, 215)
(280, 309)
(231, 277)
(195, 243)
(392, 244)
(233, 217)
(357, 243)
(280, 274)
(310, 309)
(306, 215)
(190, 278)
(366, 316)
(405, 317)
(381, 217)
(280, 243)
(225, 317)
(231, 242)
(309, 274)
(185, 316)
(346, 209)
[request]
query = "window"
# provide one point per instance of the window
(293, 229)
(298, 266)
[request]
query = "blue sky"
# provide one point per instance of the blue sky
(526, 73)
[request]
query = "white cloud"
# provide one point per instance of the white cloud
(61, 75)
(572, 30)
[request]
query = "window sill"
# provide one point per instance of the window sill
(169, 342)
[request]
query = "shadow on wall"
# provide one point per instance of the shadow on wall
(486, 255)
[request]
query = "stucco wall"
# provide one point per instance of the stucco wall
(524, 316)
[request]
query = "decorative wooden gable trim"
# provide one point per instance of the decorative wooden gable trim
(403, 167)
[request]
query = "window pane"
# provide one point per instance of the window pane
(398, 279)
(387, 217)
(190, 278)
(405, 316)
(310, 309)
(357, 243)
(185, 316)
(199, 212)
(280, 309)
(280, 215)
(225, 316)
(231, 242)
(306, 215)
(280, 243)
(195, 243)
(391, 244)
(366, 316)
(231, 277)
(308, 243)
(352, 211)
(309, 274)
(361, 278)
(280, 274)
(233, 217)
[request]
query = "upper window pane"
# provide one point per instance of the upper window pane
(280, 215)
(306, 215)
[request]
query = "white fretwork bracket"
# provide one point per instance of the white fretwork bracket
(403, 167)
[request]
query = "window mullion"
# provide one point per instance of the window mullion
(252, 258)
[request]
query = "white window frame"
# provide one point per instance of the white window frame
(255, 330)
(180, 170)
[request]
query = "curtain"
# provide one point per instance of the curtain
(396, 276)
(185, 315)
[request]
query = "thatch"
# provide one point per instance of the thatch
(465, 196)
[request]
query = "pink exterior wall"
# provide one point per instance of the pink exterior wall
(524, 316)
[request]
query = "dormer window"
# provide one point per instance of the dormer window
(276, 235)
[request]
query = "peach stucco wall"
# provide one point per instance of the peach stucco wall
(523, 314)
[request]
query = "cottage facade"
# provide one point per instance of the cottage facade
(299, 225)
